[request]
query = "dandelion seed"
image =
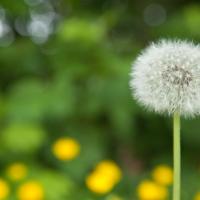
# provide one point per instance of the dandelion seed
(166, 78)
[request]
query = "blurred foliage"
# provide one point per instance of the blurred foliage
(64, 72)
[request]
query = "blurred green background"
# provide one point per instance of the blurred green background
(66, 106)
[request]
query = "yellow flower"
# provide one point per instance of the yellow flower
(98, 183)
(110, 169)
(163, 175)
(104, 177)
(31, 190)
(4, 190)
(66, 148)
(17, 171)
(149, 190)
(197, 196)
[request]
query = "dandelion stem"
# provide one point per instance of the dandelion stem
(177, 158)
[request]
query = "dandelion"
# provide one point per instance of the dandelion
(149, 190)
(110, 169)
(165, 78)
(197, 196)
(17, 171)
(31, 190)
(163, 175)
(104, 177)
(4, 189)
(66, 149)
(99, 184)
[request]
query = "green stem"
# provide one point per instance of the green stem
(177, 158)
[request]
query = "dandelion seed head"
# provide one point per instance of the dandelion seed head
(166, 77)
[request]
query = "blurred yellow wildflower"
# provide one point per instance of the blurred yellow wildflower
(4, 190)
(31, 190)
(163, 175)
(104, 177)
(66, 148)
(149, 190)
(17, 171)
(197, 196)
(99, 184)
(110, 169)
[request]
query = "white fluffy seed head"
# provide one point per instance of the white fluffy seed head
(166, 77)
